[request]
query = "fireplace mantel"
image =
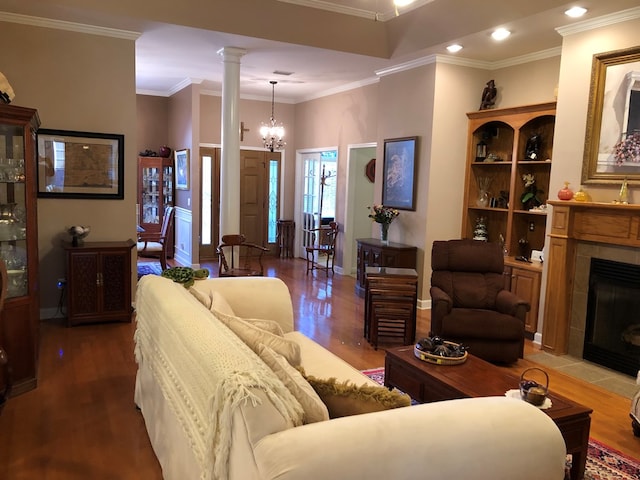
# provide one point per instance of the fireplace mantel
(573, 222)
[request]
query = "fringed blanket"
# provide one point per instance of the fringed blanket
(204, 370)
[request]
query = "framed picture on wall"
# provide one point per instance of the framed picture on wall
(182, 169)
(80, 165)
(399, 173)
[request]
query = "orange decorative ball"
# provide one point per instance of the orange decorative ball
(565, 193)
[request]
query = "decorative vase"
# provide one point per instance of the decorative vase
(623, 196)
(384, 233)
(165, 151)
(565, 193)
(483, 199)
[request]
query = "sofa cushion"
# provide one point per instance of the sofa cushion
(267, 325)
(314, 409)
(345, 398)
(254, 337)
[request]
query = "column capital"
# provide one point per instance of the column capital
(231, 53)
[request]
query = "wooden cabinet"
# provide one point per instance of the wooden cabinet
(99, 282)
(524, 281)
(19, 243)
(372, 252)
(498, 157)
(155, 193)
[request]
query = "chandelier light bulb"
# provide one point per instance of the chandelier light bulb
(272, 133)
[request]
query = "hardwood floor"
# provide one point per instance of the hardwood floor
(81, 423)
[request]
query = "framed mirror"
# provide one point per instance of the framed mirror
(612, 139)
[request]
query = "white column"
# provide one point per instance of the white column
(230, 152)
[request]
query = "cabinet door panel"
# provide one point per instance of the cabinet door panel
(84, 271)
(114, 273)
(526, 285)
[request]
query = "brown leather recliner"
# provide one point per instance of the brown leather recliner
(469, 303)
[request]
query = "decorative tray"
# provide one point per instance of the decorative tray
(430, 357)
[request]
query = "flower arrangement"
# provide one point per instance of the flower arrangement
(530, 197)
(628, 149)
(382, 214)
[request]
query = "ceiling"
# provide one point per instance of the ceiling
(325, 45)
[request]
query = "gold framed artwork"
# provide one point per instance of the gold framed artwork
(612, 138)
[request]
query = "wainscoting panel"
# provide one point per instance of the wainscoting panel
(183, 229)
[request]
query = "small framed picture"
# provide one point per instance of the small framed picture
(182, 169)
(399, 173)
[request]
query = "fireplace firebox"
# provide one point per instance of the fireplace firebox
(612, 335)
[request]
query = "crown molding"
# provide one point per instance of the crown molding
(69, 26)
(599, 22)
(358, 12)
(340, 89)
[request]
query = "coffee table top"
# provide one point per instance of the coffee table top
(478, 378)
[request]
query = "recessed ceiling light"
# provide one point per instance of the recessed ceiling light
(575, 12)
(500, 34)
(454, 48)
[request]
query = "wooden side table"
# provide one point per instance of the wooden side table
(374, 253)
(391, 296)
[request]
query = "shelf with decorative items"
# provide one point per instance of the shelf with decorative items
(509, 156)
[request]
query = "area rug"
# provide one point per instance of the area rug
(149, 268)
(603, 462)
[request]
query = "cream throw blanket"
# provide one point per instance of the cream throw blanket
(204, 370)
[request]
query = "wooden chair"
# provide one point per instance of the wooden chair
(5, 369)
(323, 243)
(154, 244)
(238, 258)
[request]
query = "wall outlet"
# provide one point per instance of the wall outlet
(61, 283)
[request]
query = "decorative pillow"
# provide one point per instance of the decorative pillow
(270, 326)
(314, 409)
(220, 304)
(203, 298)
(254, 336)
(345, 398)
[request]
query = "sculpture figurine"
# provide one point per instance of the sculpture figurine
(489, 95)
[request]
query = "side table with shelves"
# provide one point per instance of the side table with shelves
(99, 282)
(372, 252)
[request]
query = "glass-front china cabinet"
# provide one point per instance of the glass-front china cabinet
(155, 193)
(19, 244)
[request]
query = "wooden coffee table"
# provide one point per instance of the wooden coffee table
(426, 382)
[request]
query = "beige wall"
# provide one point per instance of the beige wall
(526, 84)
(152, 122)
(84, 83)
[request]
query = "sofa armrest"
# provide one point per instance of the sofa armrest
(508, 303)
(441, 305)
(253, 297)
(438, 440)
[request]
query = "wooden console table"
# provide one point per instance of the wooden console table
(426, 382)
(373, 253)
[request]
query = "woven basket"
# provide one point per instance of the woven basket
(437, 359)
(534, 394)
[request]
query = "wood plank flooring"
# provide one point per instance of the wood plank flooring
(81, 422)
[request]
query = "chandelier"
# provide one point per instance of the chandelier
(272, 133)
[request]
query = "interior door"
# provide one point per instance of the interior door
(253, 197)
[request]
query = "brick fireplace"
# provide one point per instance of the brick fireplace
(581, 231)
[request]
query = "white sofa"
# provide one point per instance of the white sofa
(202, 429)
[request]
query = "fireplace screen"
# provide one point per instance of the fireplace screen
(612, 336)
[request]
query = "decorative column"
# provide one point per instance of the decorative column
(230, 133)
